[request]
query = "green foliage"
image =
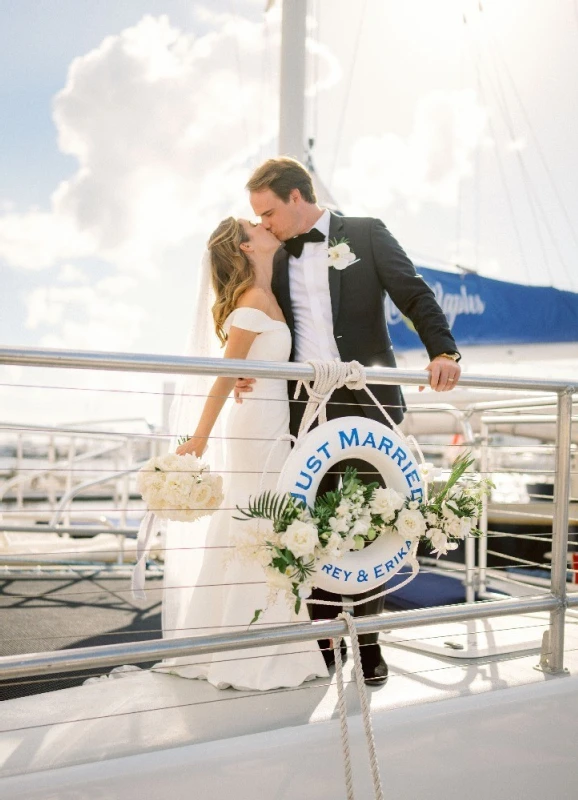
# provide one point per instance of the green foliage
(256, 615)
(460, 465)
(279, 508)
(338, 512)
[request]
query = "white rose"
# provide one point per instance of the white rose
(452, 527)
(170, 462)
(334, 546)
(216, 484)
(343, 508)
(181, 463)
(339, 525)
(300, 538)
(147, 475)
(386, 502)
(410, 524)
(200, 495)
(361, 527)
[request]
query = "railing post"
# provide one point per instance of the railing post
(21, 475)
(51, 476)
(471, 582)
(483, 523)
(470, 564)
(552, 657)
(69, 475)
(125, 492)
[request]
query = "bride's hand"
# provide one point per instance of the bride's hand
(196, 445)
(242, 386)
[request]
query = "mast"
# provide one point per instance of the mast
(292, 94)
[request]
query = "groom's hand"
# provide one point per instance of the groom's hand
(444, 374)
(242, 386)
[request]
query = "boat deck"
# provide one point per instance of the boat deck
(145, 711)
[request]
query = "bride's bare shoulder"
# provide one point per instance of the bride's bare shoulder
(254, 297)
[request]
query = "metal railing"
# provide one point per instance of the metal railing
(555, 601)
(56, 477)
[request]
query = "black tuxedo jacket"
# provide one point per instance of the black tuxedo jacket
(357, 300)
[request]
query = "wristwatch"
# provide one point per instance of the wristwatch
(452, 356)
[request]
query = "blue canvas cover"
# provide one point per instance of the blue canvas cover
(484, 311)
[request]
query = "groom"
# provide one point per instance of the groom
(339, 314)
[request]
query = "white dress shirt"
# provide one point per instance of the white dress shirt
(311, 301)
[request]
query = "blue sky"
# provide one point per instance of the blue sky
(129, 129)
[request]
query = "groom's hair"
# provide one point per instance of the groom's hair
(282, 175)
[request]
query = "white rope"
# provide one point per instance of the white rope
(342, 706)
(329, 375)
(365, 711)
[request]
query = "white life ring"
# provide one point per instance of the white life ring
(354, 437)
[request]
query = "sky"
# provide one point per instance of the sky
(128, 130)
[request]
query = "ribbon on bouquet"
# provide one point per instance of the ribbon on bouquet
(145, 535)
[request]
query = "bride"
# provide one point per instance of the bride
(207, 590)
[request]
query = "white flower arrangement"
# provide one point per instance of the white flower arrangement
(179, 488)
(291, 538)
(340, 255)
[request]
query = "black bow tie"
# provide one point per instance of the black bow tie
(294, 246)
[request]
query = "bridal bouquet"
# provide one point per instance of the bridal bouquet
(295, 537)
(179, 488)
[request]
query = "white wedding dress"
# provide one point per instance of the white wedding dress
(221, 592)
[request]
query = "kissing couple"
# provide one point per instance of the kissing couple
(267, 292)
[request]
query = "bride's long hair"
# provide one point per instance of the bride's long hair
(231, 270)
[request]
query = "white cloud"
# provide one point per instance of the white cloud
(70, 273)
(425, 167)
(154, 117)
(165, 127)
(38, 239)
(85, 317)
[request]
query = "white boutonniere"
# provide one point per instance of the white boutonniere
(340, 255)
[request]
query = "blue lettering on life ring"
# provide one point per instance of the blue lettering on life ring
(361, 438)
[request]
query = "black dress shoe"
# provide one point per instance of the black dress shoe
(376, 675)
(328, 652)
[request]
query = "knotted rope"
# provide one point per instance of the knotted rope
(365, 711)
(332, 375)
(329, 375)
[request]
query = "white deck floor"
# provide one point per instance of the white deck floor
(146, 711)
